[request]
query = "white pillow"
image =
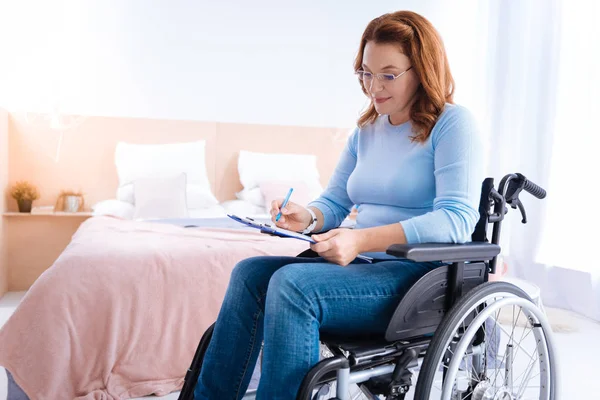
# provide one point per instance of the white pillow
(243, 208)
(197, 196)
(135, 161)
(252, 196)
(255, 168)
(160, 197)
(256, 197)
(113, 207)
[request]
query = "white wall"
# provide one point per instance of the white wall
(264, 61)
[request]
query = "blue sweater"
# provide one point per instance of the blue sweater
(432, 189)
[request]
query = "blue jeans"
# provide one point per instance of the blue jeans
(286, 301)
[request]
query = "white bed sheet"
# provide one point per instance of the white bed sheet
(124, 210)
(215, 216)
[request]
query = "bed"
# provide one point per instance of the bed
(113, 320)
(120, 312)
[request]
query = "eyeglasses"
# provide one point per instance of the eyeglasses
(385, 78)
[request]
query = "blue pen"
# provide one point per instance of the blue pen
(285, 201)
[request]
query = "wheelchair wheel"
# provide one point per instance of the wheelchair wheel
(495, 343)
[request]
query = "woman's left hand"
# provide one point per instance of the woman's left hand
(339, 246)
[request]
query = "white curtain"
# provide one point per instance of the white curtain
(570, 237)
(539, 90)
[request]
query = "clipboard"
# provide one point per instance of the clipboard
(271, 229)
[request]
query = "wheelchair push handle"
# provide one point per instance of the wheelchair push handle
(511, 186)
(534, 189)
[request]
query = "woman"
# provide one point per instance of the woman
(413, 167)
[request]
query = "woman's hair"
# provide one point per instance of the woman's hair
(416, 37)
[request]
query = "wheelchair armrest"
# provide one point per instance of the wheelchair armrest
(448, 252)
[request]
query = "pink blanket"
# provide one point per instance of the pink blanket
(121, 311)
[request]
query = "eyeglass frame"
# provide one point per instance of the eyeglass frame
(381, 75)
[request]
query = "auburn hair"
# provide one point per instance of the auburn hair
(416, 38)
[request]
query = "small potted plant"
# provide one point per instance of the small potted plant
(24, 193)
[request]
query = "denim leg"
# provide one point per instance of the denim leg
(14, 391)
(238, 335)
(305, 298)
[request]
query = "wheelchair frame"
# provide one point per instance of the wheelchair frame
(385, 361)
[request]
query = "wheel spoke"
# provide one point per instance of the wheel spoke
(522, 387)
(523, 337)
(519, 345)
(525, 351)
(494, 341)
(529, 367)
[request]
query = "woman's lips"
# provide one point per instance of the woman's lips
(380, 100)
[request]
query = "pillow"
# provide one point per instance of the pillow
(197, 196)
(160, 197)
(274, 190)
(244, 208)
(113, 207)
(252, 196)
(135, 161)
(255, 168)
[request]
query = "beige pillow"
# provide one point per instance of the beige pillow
(160, 197)
(272, 190)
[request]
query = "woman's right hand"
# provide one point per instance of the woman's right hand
(294, 217)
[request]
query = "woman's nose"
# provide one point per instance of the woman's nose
(375, 86)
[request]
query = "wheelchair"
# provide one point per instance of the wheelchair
(450, 328)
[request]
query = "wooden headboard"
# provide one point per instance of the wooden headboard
(86, 159)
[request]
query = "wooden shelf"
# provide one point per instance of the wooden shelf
(49, 214)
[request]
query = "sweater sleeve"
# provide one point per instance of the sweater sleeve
(458, 169)
(334, 202)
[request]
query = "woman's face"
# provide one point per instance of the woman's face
(392, 98)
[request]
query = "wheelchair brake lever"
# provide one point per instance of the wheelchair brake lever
(522, 209)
